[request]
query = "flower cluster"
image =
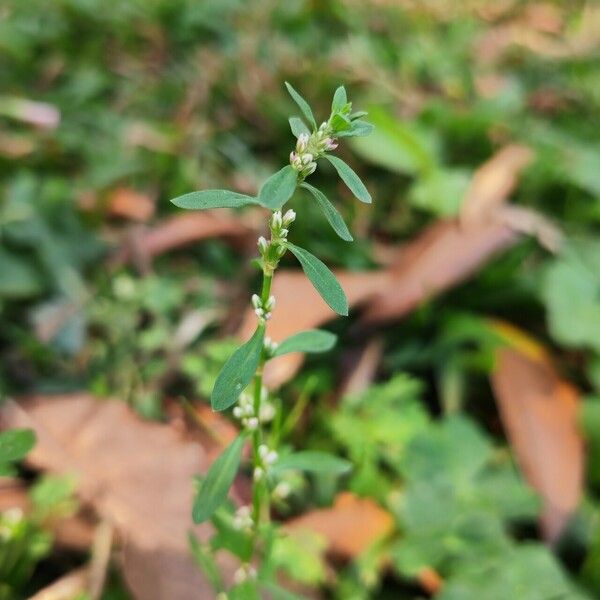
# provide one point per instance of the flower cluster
(267, 458)
(310, 147)
(242, 520)
(244, 411)
(263, 309)
(244, 573)
(272, 250)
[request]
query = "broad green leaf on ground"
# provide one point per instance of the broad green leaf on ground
(527, 572)
(570, 290)
(313, 461)
(329, 210)
(207, 199)
(399, 146)
(238, 371)
(440, 192)
(350, 178)
(312, 340)
(15, 444)
(302, 104)
(322, 279)
(339, 99)
(215, 486)
(298, 126)
(279, 188)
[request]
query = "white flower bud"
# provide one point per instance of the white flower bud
(310, 169)
(283, 233)
(270, 304)
(289, 217)
(263, 450)
(263, 245)
(267, 412)
(271, 457)
(282, 490)
(276, 220)
(323, 126)
(259, 473)
(237, 412)
(240, 576)
(252, 423)
(302, 142)
(256, 301)
(306, 158)
(281, 250)
(259, 312)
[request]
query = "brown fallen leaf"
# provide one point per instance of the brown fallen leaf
(445, 254)
(539, 412)
(137, 475)
(300, 307)
(493, 182)
(130, 204)
(177, 231)
(350, 526)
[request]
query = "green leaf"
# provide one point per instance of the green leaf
(238, 371)
(278, 593)
(278, 189)
(302, 104)
(340, 124)
(215, 486)
(206, 562)
(350, 178)
(313, 461)
(330, 211)
(298, 126)
(15, 444)
(311, 340)
(213, 199)
(339, 99)
(323, 279)
(248, 590)
(359, 129)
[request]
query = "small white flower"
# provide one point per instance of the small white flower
(302, 142)
(252, 423)
(263, 244)
(259, 473)
(238, 412)
(310, 169)
(307, 158)
(271, 458)
(259, 312)
(289, 217)
(240, 576)
(263, 450)
(276, 220)
(270, 304)
(283, 232)
(267, 412)
(256, 301)
(282, 490)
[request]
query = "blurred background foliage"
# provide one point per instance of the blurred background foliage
(108, 108)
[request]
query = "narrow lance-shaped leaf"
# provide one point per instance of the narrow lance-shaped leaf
(278, 189)
(330, 211)
(313, 461)
(206, 199)
(339, 99)
(302, 104)
(322, 278)
(215, 486)
(350, 178)
(311, 340)
(359, 129)
(298, 126)
(238, 371)
(15, 444)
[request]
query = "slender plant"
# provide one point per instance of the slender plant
(240, 382)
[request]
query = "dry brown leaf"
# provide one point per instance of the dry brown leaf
(130, 204)
(350, 526)
(300, 307)
(493, 182)
(180, 230)
(136, 474)
(445, 254)
(539, 412)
